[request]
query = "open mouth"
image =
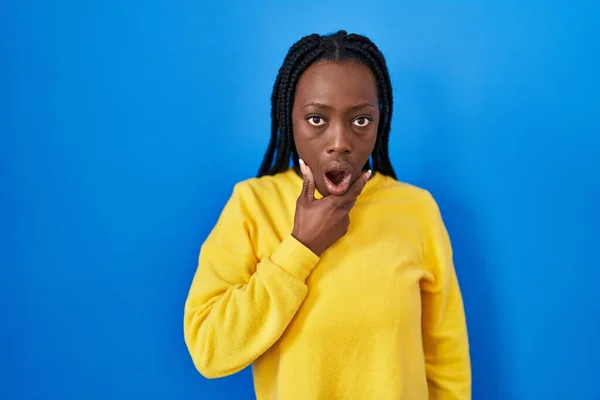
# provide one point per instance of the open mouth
(337, 179)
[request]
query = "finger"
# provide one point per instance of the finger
(357, 187)
(347, 206)
(308, 185)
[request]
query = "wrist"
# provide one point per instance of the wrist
(305, 242)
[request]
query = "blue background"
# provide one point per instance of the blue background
(124, 126)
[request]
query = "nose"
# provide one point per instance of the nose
(339, 140)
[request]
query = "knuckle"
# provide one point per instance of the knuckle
(335, 202)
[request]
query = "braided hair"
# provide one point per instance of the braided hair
(336, 47)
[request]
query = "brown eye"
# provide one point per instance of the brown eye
(315, 120)
(361, 122)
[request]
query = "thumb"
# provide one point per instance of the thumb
(308, 186)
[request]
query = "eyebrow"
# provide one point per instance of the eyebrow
(325, 106)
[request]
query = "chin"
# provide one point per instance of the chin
(322, 188)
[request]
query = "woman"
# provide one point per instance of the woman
(331, 278)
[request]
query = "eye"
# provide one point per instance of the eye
(362, 121)
(315, 120)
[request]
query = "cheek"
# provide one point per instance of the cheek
(302, 142)
(306, 150)
(304, 136)
(299, 137)
(370, 139)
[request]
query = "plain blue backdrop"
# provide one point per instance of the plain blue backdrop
(124, 126)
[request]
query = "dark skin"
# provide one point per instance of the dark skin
(335, 117)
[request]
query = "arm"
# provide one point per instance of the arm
(445, 337)
(238, 306)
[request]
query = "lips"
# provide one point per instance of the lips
(337, 176)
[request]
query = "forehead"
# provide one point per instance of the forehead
(337, 84)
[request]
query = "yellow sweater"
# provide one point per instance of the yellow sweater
(378, 316)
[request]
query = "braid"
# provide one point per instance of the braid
(308, 50)
(374, 59)
(281, 108)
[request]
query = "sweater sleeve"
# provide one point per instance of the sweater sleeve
(445, 337)
(237, 305)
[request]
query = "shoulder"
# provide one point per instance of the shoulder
(264, 187)
(416, 196)
(413, 200)
(424, 211)
(250, 199)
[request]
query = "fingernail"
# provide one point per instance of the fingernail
(302, 165)
(369, 172)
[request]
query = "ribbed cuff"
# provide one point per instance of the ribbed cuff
(295, 258)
